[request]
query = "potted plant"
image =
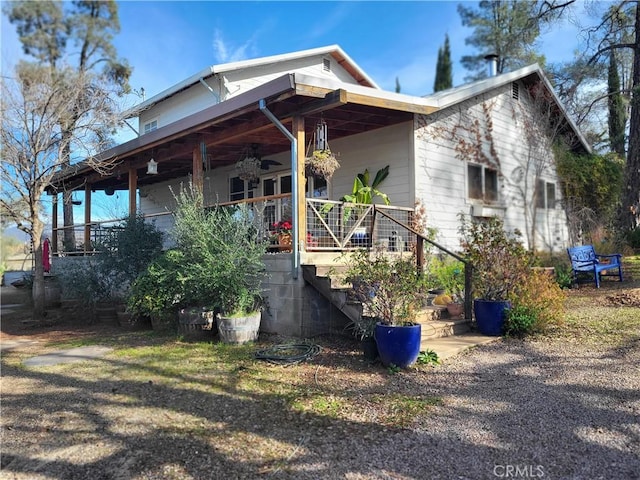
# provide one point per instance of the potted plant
(500, 266)
(321, 163)
(159, 292)
(283, 230)
(448, 275)
(363, 329)
(387, 287)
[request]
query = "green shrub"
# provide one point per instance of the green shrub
(520, 321)
(161, 288)
(500, 261)
(540, 294)
(633, 238)
(448, 274)
(388, 287)
(217, 262)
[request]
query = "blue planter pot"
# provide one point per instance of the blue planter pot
(490, 316)
(398, 345)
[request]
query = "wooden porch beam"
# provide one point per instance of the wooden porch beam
(54, 224)
(361, 99)
(87, 217)
(298, 133)
(197, 172)
(133, 189)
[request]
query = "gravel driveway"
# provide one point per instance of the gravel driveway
(551, 408)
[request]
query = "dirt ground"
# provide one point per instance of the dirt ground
(575, 415)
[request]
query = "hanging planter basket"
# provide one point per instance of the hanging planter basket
(320, 161)
(248, 169)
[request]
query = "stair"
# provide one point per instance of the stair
(434, 320)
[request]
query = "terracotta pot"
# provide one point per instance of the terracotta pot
(455, 309)
(284, 240)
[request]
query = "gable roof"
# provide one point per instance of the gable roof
(334, 50)
(533, 73)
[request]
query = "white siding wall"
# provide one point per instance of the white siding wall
(374, 150)
(441, 173)
(232, 83)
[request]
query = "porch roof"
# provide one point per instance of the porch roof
(228, 127)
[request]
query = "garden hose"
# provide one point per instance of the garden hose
(288, 354)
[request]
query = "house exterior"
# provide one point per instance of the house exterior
(479, 150)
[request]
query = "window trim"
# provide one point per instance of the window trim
(144, 126)
(543, 200)
(483, 199)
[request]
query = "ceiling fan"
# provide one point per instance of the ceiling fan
(266, 163)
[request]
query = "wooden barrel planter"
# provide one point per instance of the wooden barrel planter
(106, 313)
(196, 323)
(52, 292)
(239, 329)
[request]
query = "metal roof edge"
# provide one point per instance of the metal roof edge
(459, 94)
(239, 65)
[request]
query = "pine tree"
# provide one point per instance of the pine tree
(507, 28)
(444, 76)
(71, 35)
(617, 110)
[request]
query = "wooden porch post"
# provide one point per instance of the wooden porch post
(54, 224)
(298, 132)
(198, 175)
(87, 218)
(133, 189)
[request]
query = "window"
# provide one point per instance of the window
(239, 189)
(317, 188)
(545, 195)
(482, 183)
(326, 64)
(279, 209)
(151, 126)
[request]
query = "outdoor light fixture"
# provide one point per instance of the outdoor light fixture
(152, 167)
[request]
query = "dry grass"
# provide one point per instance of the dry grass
(161, 407)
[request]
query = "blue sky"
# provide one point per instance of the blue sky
(168, 41)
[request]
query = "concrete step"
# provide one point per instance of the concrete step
(444, 328)
(448, 347)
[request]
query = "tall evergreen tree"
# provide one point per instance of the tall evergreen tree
(617, 109)
(444, 74)
(397, 85)
(507, 28)
(77, 36)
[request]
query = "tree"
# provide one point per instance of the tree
(507, 28)
(397, 85)
(75, 37)
(33, 143)
(444, 75)
(617, 109)
(619, 33)
(591, 187)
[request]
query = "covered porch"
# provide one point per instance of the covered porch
(279, 118)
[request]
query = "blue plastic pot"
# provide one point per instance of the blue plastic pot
(490, 316)
(398, 345)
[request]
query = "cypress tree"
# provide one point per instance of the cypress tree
(444, 76)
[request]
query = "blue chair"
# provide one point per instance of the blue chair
(586, 262)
